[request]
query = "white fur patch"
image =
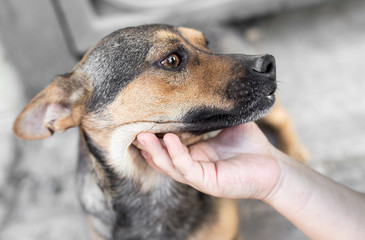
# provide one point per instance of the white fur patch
(95, 201)
(122, 161)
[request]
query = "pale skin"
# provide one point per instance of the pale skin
(241, 163)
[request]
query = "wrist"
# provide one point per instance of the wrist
(288, 180)
(266, 176)
(298, 184)
(281, 177)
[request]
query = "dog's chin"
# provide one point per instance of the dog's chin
(203, 120)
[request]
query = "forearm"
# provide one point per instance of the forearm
(318, 206)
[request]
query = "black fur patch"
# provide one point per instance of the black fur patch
(98, 154)
(173, 213)
(116, 61)
(88, 184)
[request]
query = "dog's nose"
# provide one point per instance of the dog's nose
(258, 79)
(264, 65)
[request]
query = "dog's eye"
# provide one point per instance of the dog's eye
(172, 61)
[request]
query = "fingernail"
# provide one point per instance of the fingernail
(141, 141)
(164, 142)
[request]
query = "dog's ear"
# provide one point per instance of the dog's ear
(58, 107)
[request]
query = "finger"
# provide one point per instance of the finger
(138, 144)
(191, 170)
(138, 141)
(179, 153)
(150, 161)
(158, 155)
(202, 175)
(152, 149)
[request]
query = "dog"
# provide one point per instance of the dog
(154, 78)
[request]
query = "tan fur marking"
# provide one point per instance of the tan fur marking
(226, 225)
(194, 37)
(163, 35)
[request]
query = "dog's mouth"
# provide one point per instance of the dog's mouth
(206, 119)
(203, 120)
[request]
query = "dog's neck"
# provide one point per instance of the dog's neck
(143, 206)
(114, 155)
(115, 148)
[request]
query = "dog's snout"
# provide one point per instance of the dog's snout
(264, 65)
(258, 80)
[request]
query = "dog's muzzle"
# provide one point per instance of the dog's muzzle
(252, 92)
(258, 81)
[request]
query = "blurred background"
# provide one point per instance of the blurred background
(319, 47)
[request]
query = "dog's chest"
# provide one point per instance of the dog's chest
(169, 211)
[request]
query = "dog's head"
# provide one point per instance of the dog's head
(154, 78)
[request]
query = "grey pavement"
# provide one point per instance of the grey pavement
(320, 59)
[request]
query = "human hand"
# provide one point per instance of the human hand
(241, 163)
(238, 163)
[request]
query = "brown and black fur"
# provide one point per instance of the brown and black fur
(121, 88)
